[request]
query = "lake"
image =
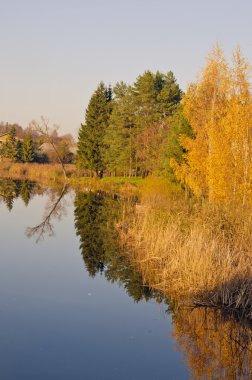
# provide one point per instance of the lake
(73, 307)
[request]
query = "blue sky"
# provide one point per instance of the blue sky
(54, 53)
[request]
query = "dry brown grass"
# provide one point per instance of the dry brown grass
(34, 171)
(48, 174)
(190, 249)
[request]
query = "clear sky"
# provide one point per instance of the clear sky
(55, 52)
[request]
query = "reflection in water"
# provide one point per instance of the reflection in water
(95, 218)
(214, 346)
(11, 189)
(54, 210)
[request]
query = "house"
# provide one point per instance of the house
(46, 149)
(3, 138)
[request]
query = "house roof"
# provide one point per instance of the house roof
(46, 148)
(3, 137)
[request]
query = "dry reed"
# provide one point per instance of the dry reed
(45, 173)
(191, 249)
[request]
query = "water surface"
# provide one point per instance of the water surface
(73, 307)
(70, 308)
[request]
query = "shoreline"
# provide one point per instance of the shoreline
(183, 247)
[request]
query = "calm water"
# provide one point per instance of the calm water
(71, 307)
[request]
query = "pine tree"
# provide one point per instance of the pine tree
(91, 146)
(169, 95)
(145, 98)
(156, 97)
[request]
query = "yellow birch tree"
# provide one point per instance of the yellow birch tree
(219, 109)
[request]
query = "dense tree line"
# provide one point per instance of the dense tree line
(28, 145)
(15, 149)
(133, 130)
(11, 189)
(95, 217)
(204, 136)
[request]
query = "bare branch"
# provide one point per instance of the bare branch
(43, 129)
(55, 210)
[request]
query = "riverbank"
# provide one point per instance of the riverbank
(50, 174)
(192, 250)
(43, 173)
(197, 252)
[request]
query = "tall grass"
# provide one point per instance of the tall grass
(34, 171)
(192, 249)
(52, 173)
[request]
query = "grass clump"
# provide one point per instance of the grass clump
(45, 173)
(192, 249)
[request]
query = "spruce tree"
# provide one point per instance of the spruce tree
(120, 155)
(91, 145)
(27, 152)
(169, 95)
(10, 150)
(156, 96)
(177, 126)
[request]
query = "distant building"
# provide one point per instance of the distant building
(47, 150)
(3, 138)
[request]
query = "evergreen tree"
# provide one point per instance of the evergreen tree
(144, 94)
(91, 145)
(169, 94)
(119, 137)
(125, 135)
(156, 97)
(10, 148)
(27, 152)
(177, 125)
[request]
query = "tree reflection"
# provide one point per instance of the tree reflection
(95, 218)
(54, 210)
(26, 191)
(215, 346)
(11, 189)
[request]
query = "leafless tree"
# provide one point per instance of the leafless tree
(43, 129)
(54, 210)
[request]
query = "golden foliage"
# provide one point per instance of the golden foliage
(214, 347)
(219, 108)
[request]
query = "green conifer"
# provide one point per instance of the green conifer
(91, 145)
(27, 151)
(10, 150)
